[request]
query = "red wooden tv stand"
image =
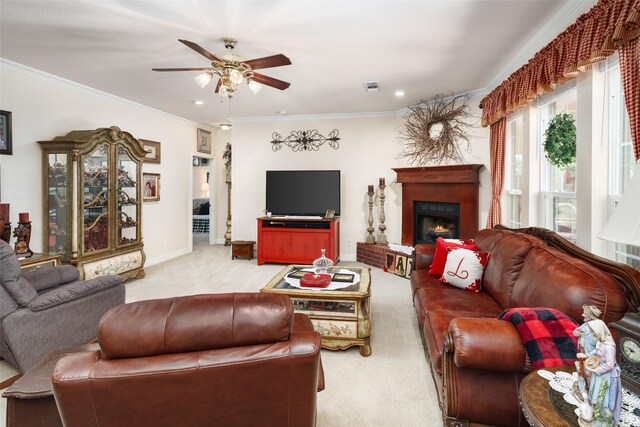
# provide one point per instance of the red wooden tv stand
(297, 241)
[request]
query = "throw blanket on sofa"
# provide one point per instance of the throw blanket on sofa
(547, 335)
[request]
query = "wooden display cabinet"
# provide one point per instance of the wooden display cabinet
(92, 201)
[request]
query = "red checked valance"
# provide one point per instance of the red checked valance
(594, 36)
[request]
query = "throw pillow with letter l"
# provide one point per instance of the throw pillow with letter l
(441, 253)
(464, 269)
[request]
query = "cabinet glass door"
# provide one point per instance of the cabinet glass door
(96, 200)
(126, 191)
(58, 203)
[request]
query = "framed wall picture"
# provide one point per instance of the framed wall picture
(6, 146)
(153, 151)
(204, 141)
(151, 189)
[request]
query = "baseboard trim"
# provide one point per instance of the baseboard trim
(166, 257)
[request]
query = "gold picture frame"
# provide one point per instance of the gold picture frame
(153, 151)
(150, 187)
(204, 141)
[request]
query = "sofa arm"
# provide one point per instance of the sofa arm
(50, 276)
(487, 344)
(423, 256)
(72, 291)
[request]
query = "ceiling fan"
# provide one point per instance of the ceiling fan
(232, 69)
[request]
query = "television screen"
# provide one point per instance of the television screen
(303, 193)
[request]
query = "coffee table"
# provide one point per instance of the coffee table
(341, 316)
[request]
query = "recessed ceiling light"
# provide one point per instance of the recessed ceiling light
(399, 93)
(282, 112)
(198, 102)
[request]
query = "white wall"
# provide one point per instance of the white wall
(368, 149)
(44, 107)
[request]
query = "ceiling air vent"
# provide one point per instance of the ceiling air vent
(370, 87)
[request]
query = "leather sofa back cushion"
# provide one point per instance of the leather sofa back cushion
(508, 252)
(550, 278)
(194, 323)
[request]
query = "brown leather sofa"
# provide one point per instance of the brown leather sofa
(477, 361)
(203, 360)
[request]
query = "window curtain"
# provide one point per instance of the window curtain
(630, 71)
(594, 36)
(497, 138)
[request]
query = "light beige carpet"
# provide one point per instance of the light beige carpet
(392, 387)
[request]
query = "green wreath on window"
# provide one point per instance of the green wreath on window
(560, 141)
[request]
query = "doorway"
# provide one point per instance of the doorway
(203, 230)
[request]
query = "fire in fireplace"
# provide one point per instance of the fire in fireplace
(436, 219)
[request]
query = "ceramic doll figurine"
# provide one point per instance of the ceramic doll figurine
(605, 388)
(586, 340)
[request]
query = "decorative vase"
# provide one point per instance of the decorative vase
(23, 235)
(322, 264)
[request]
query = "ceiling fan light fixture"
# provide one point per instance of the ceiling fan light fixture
(203, 79)
(254, 86)
(225, 126)
(236, 76)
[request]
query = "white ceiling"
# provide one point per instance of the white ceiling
(421, 47)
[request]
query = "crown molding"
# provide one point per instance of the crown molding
(331, 116)
(565, 16)
(91, 91)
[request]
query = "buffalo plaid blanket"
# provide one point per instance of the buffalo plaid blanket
(547, 334)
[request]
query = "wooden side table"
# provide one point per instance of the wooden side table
(242, 248)
(38, 260)
(540, 406)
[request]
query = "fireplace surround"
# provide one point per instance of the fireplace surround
(449, 187)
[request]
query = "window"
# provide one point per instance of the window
(622, 160)
(513, 170)
(558, 185)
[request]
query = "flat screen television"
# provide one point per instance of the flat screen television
(303, 193)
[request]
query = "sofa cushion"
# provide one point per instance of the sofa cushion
(553, 279)
(441, 253)
(464, 269)
(434, 296)
(50, 276)
(508, 252)
(19, 289)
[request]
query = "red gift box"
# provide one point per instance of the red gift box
(312, 280)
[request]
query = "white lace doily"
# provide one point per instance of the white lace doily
(563, 381)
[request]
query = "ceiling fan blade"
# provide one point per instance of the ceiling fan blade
(268, 62)
(270, 81)
(218, 85)
(180, 69)
(202, 51)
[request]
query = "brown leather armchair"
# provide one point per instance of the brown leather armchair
(224, 360)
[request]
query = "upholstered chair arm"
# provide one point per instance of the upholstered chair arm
(486, 344)
(302, 326)
(72, 291)
(423, 256)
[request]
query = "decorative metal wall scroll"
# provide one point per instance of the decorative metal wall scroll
(305, 140)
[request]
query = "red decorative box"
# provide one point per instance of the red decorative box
(312, 280)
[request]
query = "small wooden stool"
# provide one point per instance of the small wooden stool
(242, 248)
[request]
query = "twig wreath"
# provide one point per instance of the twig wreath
(433, 130)
(560, 141)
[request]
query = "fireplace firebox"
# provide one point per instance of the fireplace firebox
(436, 219)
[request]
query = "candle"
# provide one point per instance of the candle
(382, 181)
(370, 189)
(4, 212)
(23, 217)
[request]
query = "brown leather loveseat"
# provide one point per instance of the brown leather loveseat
(203, 360)
(478, 361)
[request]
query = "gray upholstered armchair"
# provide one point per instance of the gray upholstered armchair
(49, 308)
